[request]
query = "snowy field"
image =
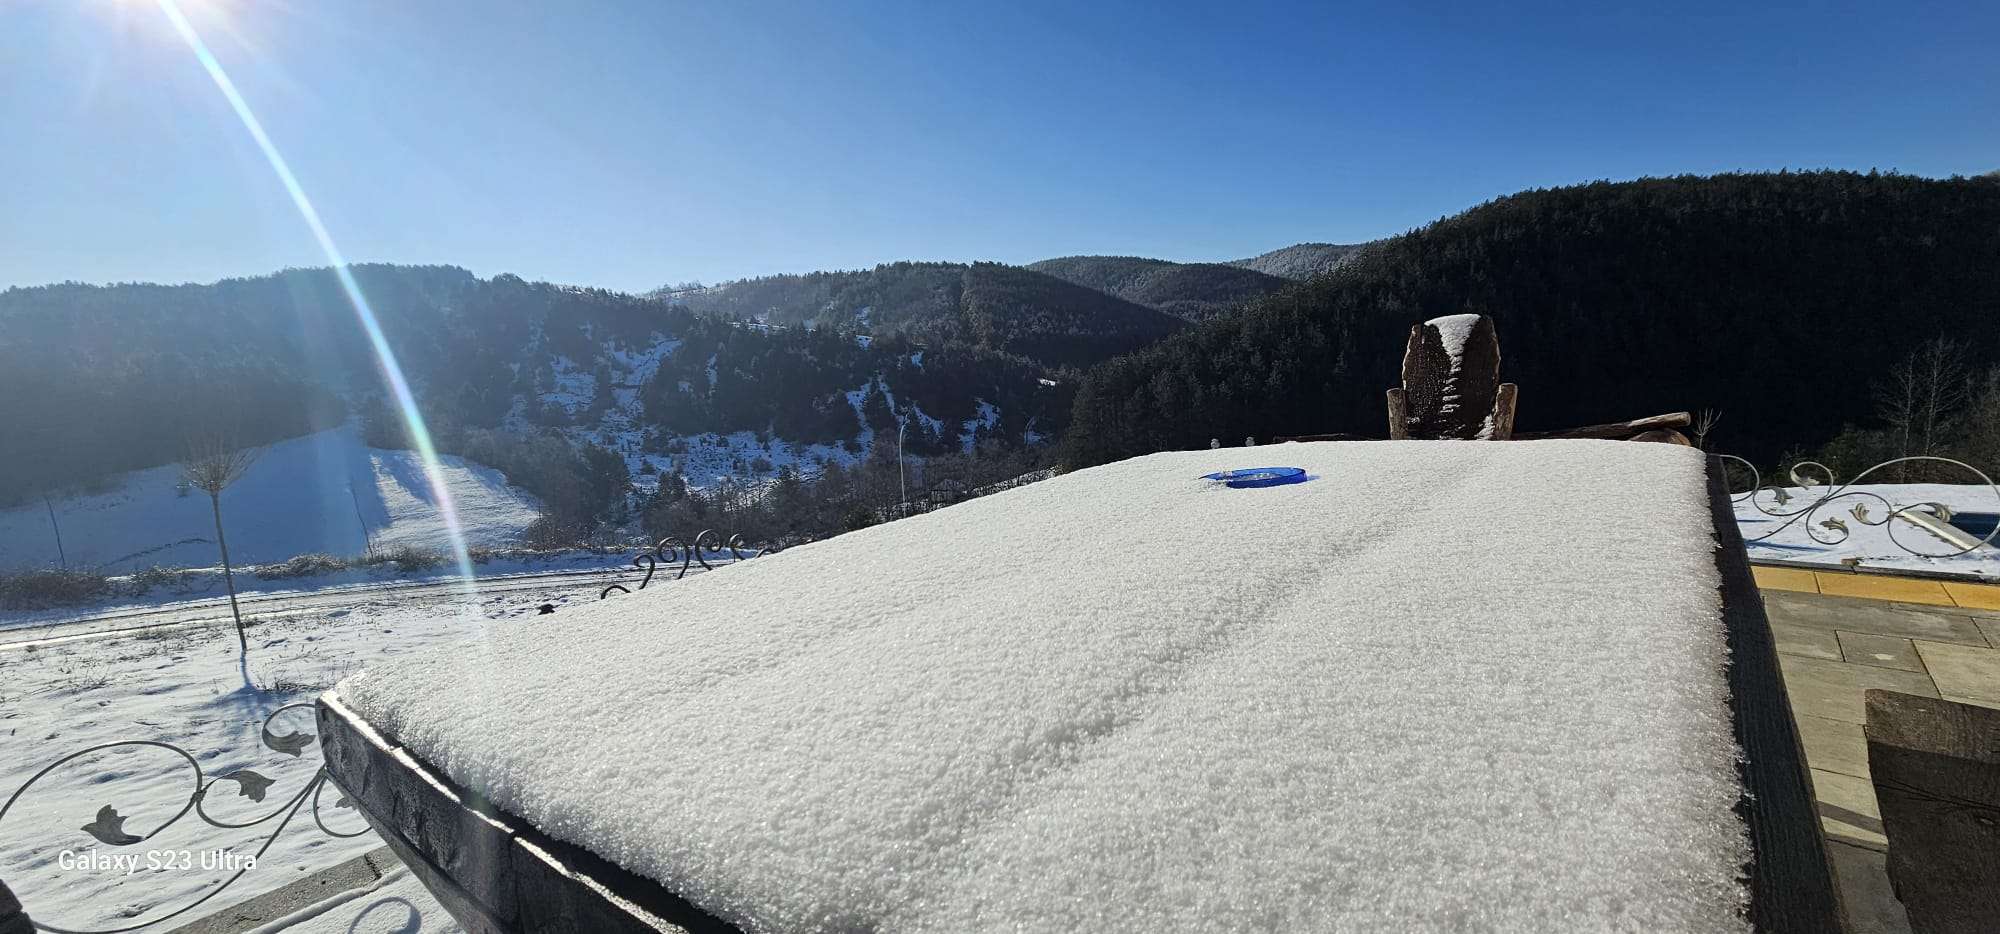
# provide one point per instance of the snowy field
(194, 587)
(1869, 545)
(325, 492)
(186, 687)
(1452, 715)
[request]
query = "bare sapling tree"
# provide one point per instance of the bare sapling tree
(1921, 395)
(214, 461)
(61, 555)
(1704, 422)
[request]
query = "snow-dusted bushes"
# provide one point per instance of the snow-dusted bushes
(404, 557)
(306, 565)
(35, 590)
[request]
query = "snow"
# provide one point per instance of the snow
(989, 415)
(710, 459)
(192, 587)
(936, 425)
(574, 387)
(1453, 712)
(1868, 545)
(294, 500)
(1454, 330)
(185, 687)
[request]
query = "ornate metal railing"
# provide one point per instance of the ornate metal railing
(108, 828)
(1821, 490)
(669, 550)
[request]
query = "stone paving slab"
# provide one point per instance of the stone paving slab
(1834, 745)
(1863, 875)
(1963, 673)
(1991, 627)
(1974, 596)
(1863, 648)
(1770, 578)
(1847, 809)
(1806, 641)
(1833, 690)
(1875, 617)
(1881, 587)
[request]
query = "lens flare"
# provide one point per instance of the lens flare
(385, 358)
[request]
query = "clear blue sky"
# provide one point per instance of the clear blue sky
(632, 144)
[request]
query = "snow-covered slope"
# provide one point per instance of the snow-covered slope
(309, 494)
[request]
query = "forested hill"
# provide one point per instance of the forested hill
(990, 306)
(1194, 291)
(1777, 298)
(95, 380)
(1300, 260)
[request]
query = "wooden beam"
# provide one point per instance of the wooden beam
(1936, 768)
(1503, 412)
(1791, 887)
(1399, 415)
(1614, 431)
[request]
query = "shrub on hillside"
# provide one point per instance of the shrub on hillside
(37, 590)
(551, 533)
(404, 557)
(307, 565)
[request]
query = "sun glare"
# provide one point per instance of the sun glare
(392, 372)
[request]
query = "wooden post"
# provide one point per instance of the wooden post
(1503, 412)
(1936, 768)
(1399, 419)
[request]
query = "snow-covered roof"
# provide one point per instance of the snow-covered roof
(1440, 686)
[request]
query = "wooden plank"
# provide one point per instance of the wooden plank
(1613, 431)
(1399, 415)
(1936, 768)
(1503, 411)
(1791, 885)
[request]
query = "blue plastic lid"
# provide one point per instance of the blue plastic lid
(1244, 478)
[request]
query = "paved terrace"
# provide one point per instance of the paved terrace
(1839, 634)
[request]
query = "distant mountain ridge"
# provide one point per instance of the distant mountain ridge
(1005, 309)
(1301, 261)
(1191, 291)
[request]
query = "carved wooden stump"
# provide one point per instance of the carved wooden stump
(1936, 767)
(1451, 381)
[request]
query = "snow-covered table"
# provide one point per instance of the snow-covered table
(1413, 693)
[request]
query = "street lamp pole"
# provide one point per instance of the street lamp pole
(902, 482)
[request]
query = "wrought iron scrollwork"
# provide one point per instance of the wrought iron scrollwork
(108, 826)
(669, 550)
(1821, 490)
